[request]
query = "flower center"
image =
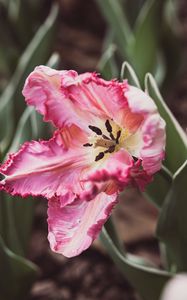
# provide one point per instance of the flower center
(107, 140)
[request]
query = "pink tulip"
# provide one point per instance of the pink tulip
(109, 135)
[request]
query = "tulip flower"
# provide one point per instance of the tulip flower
(108, 135)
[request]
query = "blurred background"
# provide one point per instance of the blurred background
(85, 36)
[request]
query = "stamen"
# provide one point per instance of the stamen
(105, 137)
(110, 149)
(135, 158)
(118, 136)
(108, 126)
(95, 129)
(112, 136)
(99, 156)
(88, 145)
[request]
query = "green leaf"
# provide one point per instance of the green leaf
(107, 65)
(19, 17)
(171, 43)
(176, 141)
(144, 46)
(36, 53)
(54, 60)
(8, 230)
(17, 275)
(115, 16)
(147, 281)
(172, 223)
(163, 179)
(132, 9)
(23, 130)
(127, 72)
(111, 230)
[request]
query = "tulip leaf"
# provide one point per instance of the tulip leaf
(172, 223)
(144, 45)
(162, 179)
(7, 227)
(147, 281)
(107, 64)
(11, 100)
(17, 274)
(18, 13)
(115, 16)
(128, 73)
(171, 43)
(111, 230)
(176, 141)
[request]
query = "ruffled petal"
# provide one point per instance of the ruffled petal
(43, 91)
(66, 98)
(150, 147)
(119, 171)
(94, 94)
(73, 228)
(112, 175)
(154, 140)
(139, 102)
(46, 168)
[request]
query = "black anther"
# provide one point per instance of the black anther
(118, 136)
(99, 156)
(105, 137)
(110, 149)
(108, 126)
(95, 129)
(112, 136)
(135, 158)
(88, 145)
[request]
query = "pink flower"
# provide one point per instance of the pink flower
(109, 135)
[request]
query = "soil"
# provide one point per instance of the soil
(92, 275)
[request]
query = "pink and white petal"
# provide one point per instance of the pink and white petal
(66, 98)
(139, 102)
(129, 120)
(117, 172)
(45, 168)
(43, 91)
(139, 177)
(73, 228)
(101, 98)
(154, 139)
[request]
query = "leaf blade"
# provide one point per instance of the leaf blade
(176, 141)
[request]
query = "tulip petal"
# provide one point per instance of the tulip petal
(151, 149)
(154, 139)
(100, 98)
(139, 102)
(94, 94)
(118, 172)
(44, 168)
(66, 98)
(43, 91)
(73, 228)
